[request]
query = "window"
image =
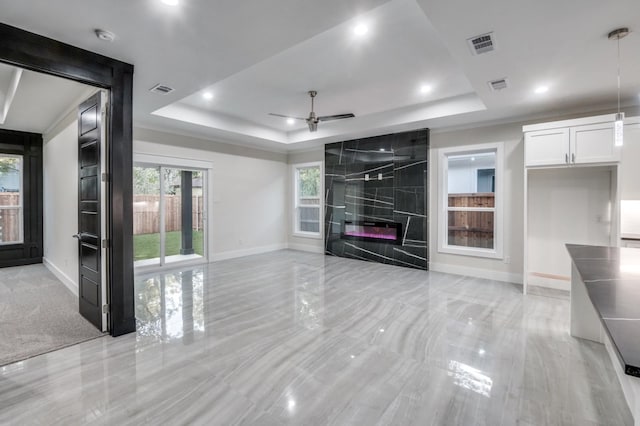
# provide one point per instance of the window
(11, 224)
(470, 201)
(307, 199)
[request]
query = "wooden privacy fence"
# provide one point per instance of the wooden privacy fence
(471, 228)
(9, 218)
(146, 213)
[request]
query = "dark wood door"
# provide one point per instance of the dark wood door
(89, 200)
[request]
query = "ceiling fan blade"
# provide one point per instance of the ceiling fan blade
(287, 116)
(335, 117)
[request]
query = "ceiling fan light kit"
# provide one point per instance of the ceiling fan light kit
(313, 120)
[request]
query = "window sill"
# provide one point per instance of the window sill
(473, 252)
(312, 235)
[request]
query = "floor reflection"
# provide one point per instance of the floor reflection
(470, 378)
(309, 301)
(170, 306)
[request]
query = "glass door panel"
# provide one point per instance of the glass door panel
(172, 194)
(146, 215)
(197, 212)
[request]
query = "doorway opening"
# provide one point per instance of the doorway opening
(52, 144)
(169, 215)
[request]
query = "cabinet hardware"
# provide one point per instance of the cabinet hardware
(573, 158)
(566, 158)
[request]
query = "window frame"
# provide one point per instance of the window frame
(443, 205)
(296, 212)
(20, 206)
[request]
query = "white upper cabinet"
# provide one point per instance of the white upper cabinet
(593, 144)
(571, 142)
(546, 147)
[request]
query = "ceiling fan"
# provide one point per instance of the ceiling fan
(313, 120)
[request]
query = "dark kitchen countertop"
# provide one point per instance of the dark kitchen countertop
(612, 278)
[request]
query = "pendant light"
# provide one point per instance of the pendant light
(619, 123)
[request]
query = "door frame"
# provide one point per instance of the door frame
(41, 54)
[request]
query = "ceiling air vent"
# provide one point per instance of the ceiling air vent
(481, 44)
(161, 89)
(497, 85)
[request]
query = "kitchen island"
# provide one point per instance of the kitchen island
(605, 307)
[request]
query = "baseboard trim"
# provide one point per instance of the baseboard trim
(538, 281)
(64, 278)
(305, 247)
(225, 255)
(508, 277)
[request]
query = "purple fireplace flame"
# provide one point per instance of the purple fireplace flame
(372, 231)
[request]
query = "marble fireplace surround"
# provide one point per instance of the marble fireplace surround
(381, 179)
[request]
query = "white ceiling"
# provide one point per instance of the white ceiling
(40, 100)
(259, 57)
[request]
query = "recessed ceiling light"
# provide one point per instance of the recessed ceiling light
(425, 88)
(290, 121)
(207, 95)
(170, 2)
(360, 29)
(542, 89)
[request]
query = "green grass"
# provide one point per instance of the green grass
(147, 246)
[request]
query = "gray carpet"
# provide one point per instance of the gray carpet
(38, 314)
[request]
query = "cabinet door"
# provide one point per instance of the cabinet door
(594, 143)
(546, 147)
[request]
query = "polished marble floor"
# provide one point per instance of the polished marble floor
(304, 339)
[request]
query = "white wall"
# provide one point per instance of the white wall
(629, 170)
(315, 245)
(566, 205)
(248, 206)
(630, 181)
(462, 180)
(509, 268)
(463, 175)
(60, 174)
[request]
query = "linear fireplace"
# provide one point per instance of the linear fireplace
(376, 199)
(360, 230)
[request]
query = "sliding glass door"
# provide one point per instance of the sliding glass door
(169, 215)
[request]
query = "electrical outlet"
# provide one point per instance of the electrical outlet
(507, 259)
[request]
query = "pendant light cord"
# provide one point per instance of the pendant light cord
(618, 74)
